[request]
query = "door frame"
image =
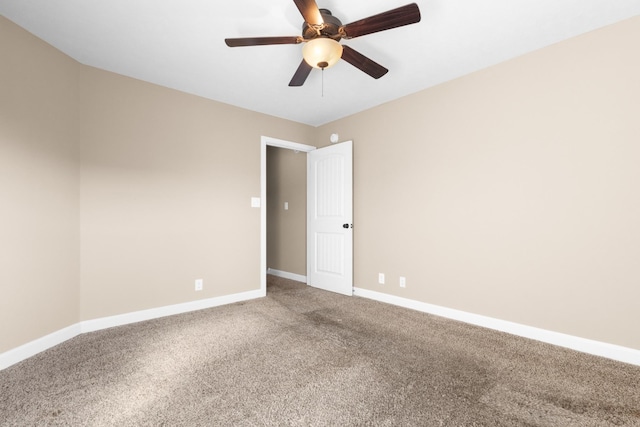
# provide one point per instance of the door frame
(266, 141)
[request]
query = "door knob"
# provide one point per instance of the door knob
(346, 225)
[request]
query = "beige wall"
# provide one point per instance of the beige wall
(152, 184)
(286, 229)
(512, 192)
(166, 184)
(39, 239)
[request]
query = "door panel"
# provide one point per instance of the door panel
(329, 209)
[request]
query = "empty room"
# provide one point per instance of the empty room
(320, 213)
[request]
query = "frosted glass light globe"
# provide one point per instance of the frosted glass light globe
(322, 52)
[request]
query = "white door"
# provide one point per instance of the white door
(330, 218)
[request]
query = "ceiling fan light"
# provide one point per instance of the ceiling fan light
(322, 52)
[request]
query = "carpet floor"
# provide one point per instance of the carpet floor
(305, 357)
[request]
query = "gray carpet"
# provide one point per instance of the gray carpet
(307, 357)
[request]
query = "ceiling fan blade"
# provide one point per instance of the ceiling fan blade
(301, 74)
(310, 11)
(405, 15)
(363, 63)
(260, 41)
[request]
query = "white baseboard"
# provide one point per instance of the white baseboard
(287, 275)
(25, 351)
(610, 351)
(597, 348)
(170, 310)
(32, 348)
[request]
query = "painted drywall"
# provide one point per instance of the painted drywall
(508, 193)
(511, 192)
(286, 229)
(39, 188)
(117, 194)
(166, 184)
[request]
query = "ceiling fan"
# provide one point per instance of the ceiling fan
(321, 31)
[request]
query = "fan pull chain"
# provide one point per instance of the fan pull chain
(322, 82)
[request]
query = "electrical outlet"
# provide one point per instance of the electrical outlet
(403, 282)
(199, 284)
(381, 278)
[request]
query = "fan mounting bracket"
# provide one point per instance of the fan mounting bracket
(331, 28)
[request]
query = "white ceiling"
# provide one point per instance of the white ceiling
(180, 44)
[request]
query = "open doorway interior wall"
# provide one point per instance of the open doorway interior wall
(286, 212)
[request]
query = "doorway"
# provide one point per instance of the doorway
(329, 216)
(264, 143)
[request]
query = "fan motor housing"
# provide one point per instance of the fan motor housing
(330, 28)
